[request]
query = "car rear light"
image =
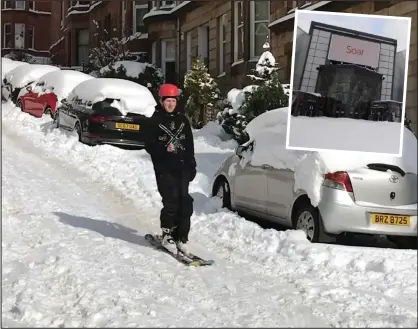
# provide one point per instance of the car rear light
(98, 118)
(339, 180)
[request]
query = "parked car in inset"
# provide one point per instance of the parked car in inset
(377, 198)
(22, 76)
(386, 110)
(43, 96)
(306, 104)
(107, 111)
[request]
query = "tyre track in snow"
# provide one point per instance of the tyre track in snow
(52, 268)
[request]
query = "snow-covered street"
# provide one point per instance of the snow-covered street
(73, 222)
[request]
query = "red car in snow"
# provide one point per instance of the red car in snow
(44, 96)
(37, 102)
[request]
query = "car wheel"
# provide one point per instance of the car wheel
(77, 128)
(48, 111)
(307, 220)
(222, 191)
(19, 104)
(57, 119)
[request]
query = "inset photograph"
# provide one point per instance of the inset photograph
(349, 75)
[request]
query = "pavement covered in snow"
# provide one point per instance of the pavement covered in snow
(73, 221)
(345, 134)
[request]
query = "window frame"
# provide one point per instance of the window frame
(134, 18)
(32, 41)
(23, 2)
(9, 33)
(253, 23)
(62, 13)
(7, 4)
(222, 43)
(237, 26)
(188, 50)
(164, 58)
(24, 36)
(31, 2)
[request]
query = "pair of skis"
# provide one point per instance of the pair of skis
(189, 259)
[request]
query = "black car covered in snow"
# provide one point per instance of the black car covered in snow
(107, 111)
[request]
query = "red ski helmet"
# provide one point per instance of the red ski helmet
(168, 90)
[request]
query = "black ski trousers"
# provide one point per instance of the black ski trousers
(177, 202)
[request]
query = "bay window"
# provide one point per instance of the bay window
(140, 9)
(31, 37)
(222, 26)
(239, 30)
(259, 30)
(19, 36)
(7, 36)
(168, 59)
(20, 4)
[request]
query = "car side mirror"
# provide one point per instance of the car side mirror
(29, 88)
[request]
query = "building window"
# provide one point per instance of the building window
(62, 13)
(7, 36)
(188, 50)
(259, 31)
(19, 35)
(7, 4)
(32, 5)
(222, 26)
(31, 37)
(168, 60)
(167, 3)
(238, 30)
(140, 9)
(203, 44)
(154, 53)
(82, 46)
(123, 23)
(20, 4)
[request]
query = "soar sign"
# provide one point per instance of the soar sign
(355, 51)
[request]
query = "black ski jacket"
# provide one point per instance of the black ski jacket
(163, 128)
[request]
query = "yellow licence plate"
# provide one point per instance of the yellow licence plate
(386, 219)
(127, 126)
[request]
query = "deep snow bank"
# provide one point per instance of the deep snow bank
(269, 132)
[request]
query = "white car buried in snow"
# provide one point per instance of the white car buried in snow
(107, 111)
(322, 193)
(25, 75)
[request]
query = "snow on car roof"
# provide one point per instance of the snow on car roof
(268, 130)
(134, 97)
(63, 81)
(7, 65)
(23, 74)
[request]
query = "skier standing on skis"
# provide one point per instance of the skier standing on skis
(171, 147)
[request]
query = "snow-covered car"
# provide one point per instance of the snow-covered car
(46, 94)
(107, 111)
(6, 66)
(322, 193)
(23, 75)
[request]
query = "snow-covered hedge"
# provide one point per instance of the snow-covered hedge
(145, 74)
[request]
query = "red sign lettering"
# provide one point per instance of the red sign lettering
(354, 51)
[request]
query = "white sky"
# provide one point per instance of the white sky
(395, 28)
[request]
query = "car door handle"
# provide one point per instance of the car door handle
(265, 166)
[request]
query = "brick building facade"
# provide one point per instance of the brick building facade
(223, 34)
(26, 28)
